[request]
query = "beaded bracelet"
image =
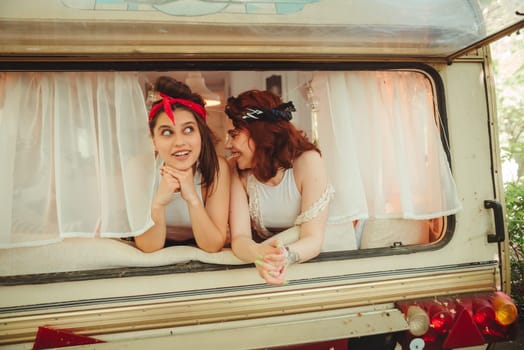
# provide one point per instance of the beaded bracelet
(291, 256)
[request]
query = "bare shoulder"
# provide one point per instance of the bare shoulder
(309, 167)
(224, 171)
(308, 160)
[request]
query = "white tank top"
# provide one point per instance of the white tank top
(178, 222)
(279, 205)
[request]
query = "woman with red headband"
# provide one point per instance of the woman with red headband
(193, 183)
(281, 182)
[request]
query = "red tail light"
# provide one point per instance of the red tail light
(441, 318)
(468, 320)
(483, 313)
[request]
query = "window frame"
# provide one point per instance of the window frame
(166, 66)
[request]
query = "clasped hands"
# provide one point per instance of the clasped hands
(174, 180)
(272, 262)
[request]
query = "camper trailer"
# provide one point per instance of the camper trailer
(399, 97)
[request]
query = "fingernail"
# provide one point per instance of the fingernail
(279, 244)
(260, 257)
(285, 283)
(272, 273)
(258, 262)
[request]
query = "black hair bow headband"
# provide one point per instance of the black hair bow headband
(281, 112)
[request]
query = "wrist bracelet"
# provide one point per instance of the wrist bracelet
(291, 256)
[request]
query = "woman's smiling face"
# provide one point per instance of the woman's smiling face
(178, 144)
(242, 147)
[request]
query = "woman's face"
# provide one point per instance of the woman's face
(179, 144)
(242, 148)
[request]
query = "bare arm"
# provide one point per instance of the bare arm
(155, 237)
(209, 223)
(242, 243)
(312, 180)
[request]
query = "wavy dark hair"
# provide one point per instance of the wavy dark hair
(277, 142)
(208, 159)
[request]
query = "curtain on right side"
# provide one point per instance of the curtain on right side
(388, 145)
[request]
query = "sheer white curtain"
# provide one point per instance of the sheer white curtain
(77, 159)
(378, 132)
(76, 154)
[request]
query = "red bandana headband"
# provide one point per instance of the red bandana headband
(168, 101)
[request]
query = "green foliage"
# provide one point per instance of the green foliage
(508, 63)
(508, 60)
(515, 217)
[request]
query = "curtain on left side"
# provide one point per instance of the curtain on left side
(76, 155)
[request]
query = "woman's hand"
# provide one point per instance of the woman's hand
(168, 185)
(272, 263)
(185, 182)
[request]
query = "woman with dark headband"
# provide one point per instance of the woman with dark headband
(281, 182)
(191, 202)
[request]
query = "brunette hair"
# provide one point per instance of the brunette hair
(277, 141)
(207, 160)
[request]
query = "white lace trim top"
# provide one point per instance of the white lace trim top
(276, 208)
